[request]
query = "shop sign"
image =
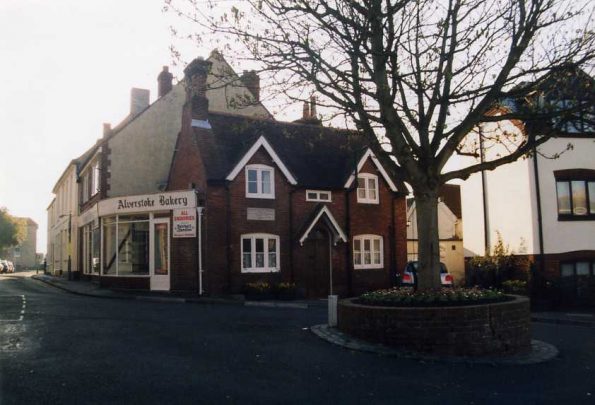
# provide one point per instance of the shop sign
(148, 203)
(184, 223)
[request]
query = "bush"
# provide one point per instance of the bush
(258, 287)
(515, 287)
(407, 297)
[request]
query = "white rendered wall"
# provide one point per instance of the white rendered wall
(564, 236)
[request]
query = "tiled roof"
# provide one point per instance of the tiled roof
(319, 157)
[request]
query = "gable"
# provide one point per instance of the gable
(261, 143)
(369, 155)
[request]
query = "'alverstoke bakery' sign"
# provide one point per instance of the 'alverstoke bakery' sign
(148, 203)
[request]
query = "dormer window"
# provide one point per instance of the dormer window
(367, 188)
(260, 181)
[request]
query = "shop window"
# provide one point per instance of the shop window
(260, 181)
(126, 246)
(367, 252)
(318, 195)
(367, 188)
(260, 253)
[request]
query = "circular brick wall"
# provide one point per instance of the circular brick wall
(476, 330)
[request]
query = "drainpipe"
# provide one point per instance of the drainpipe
(200, 211)
(539, 213)
(484, 191)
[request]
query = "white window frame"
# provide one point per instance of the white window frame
(259, 170)
(266, 237)
(95, 178)
(367, 199)
(318, 197)
(371, 238)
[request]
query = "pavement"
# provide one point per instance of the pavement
(88, 288)
(92, 289)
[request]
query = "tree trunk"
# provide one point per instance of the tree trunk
(428, 272)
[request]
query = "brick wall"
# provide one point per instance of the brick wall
(501, 328)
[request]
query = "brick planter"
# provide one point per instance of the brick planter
(477, 330)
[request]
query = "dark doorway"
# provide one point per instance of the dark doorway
(316, 271)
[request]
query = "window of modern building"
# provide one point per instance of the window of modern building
(368, 252)
(576, 199)
(367, 188)
(260, 181)
(126, 245)
(318, 195)
(260, 253)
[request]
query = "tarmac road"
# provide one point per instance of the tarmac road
(61, 348)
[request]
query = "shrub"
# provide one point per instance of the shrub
(407, 297)
(258, 287)
(515, 287)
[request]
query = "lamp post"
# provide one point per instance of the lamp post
(69, 265)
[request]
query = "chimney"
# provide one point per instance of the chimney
(305, 111)
(252, 83)
(164, 82)
(196, 87)
(313, 107)
(139, 100)
(107, 129)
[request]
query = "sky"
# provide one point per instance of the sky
(66, 67)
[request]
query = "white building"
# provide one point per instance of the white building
(543, 206)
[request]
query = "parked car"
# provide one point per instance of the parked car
(10, 266)
(3, 266)
(409, 277)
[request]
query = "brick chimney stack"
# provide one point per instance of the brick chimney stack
(164, 82)
(252, 81)
(196, 87)
(305, 111)
(313, 107)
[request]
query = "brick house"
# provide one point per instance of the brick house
(282, 203)
(204, 193)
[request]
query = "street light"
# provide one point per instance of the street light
(69, 268)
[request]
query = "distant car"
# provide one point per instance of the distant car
(10, 266)
(3, 266)
(409, 277)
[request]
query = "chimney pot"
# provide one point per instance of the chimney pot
(305, 111)
(164, 82)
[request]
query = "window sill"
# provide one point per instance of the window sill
(368, 266)
(261, 196)
(368, 202)
(565, 218)
(261, 270)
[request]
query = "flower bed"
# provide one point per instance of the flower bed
(407, 297)
(493, 328)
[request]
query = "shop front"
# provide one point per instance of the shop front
(127, 241)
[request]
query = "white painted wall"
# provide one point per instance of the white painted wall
(564, 236)
(512, 203)
(141, 154)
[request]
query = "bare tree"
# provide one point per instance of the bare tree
(419, 76)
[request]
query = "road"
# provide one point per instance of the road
(61, 348)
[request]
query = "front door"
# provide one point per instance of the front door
(160, 257)
(316, 273)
